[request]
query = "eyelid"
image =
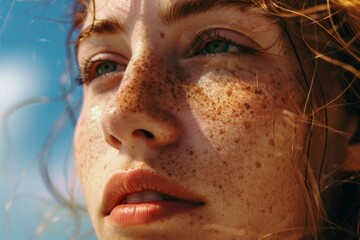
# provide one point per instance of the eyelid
(104, 56)
(224, 33)
(87, 64)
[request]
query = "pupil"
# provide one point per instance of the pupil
(218, 46)
(106, 67)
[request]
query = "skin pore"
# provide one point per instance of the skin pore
(201, 100)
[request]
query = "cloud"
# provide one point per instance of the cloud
(21, 77)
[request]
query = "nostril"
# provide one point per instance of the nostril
(113, 141)
(145, 133)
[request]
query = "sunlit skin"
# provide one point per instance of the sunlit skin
(217, 110)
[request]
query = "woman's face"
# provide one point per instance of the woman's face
(187, 127)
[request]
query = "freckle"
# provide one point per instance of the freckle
(252, 142)
(247, 125)
(258, 164)
(237, 140)
(258, 91)
(272, 142)
(222, 131)
(162, 35)
(229, 92)
(247, 106)
(191, 153)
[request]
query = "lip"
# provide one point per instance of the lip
(121, 184)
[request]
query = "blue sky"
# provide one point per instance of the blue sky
(32, 76)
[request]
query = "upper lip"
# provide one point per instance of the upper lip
(121, 184)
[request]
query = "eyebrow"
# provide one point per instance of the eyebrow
(188, 8)
(168, 16)
(104, 26)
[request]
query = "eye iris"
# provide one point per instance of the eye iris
(106, 67)
(218, 46)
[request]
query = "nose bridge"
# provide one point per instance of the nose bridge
(134, 114)
(142, 85)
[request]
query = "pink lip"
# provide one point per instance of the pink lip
(122, 184)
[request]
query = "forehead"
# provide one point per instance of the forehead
(125, 8)
(128, 4)
(122, 15)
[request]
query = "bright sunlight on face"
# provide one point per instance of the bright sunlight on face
(183, 123)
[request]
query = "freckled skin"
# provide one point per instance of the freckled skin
(217, 127)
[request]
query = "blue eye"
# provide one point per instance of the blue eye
(215, 41)
(219, 46)
(93, 69)
(106, 67)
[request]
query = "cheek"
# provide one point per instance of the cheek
(244, 117)
(86, 135)
(250, 175)
(253, 112)
(238, 98)
(88, 148)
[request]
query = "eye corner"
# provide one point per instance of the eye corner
(79, 80)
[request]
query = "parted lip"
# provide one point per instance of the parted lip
(122, 184)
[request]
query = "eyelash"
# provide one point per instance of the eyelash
(197, 49)
(86, 68)
(210, 35)
(84, 72)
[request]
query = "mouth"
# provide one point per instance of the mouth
(139, 197)
(148, 196)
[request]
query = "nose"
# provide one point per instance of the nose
(134, 116)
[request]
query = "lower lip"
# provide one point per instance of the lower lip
(126, 215)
